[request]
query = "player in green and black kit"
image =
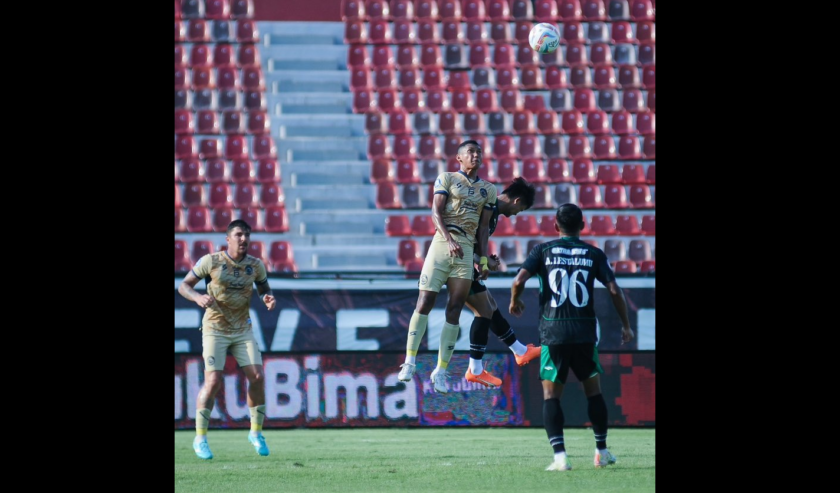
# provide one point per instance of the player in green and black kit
(517, 197)
(567, 269)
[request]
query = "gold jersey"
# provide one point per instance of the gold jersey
(230, 283)
(466, 199)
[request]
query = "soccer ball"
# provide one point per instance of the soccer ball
(544, 37)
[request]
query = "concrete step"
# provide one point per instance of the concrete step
(301, 33)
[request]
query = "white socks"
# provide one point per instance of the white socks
(476, 366)
(411, 360)
(518, 348)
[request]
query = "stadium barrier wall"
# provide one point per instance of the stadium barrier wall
(332, 350)
(361, 390)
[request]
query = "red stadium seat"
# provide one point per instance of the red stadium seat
(426, 9)
(546, 225)
(633, 100)
(642, 10)
(271, 194)
(585, 100)
(629, 147)
(193, 194)
(557, 171)
(576, 53)
(381, 170)
(608, 173)
(198, 219)
(422, 225)
(625, 267)
(622, 123)
(407, 171)
(632, 173)
(276, 219)
(529, 147)
(387, 196)
(255, 101)
(201, 248)
(242, 9)
(604, 147)
(650, 174)
(640, 197)
(526, 225)
(264, 147)
(268, 170)
(572, 122)
(397, 225)
(247, 32)
(180, 219)
(615, 196)
(189, 170)
(601, 56)
(184, 122)
(222, 217)
(236, 146)
(647, 266)
(546, 11)
(198, 31)
(449, 9)
(627, 225)
(252, 78)
(649, 225)
(280, 251)
(182, 250)
(429, 147)
(245, 196)
(560, 100)
(504, 227)
(602, 225)
(216, 170)
(580, 147)
(220, 196)
(622, 32)
(590, 197)
(570, 10)
(649, 147)
(504, 145)
(646, 122)
(507, 168)
(208, 122)
(407, 250)
(583, 171)
(646, 31)
(430, 169)
(379, 146)
(533, 170)
(548, 122)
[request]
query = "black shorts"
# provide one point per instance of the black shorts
(477, 286)
(556, 360)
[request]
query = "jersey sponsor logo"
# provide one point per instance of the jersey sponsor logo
(573, 251)
(548, 368)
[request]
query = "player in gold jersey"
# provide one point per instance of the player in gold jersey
(462, 208)
(230, 278)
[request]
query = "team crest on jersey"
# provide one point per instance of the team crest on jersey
(211, 361)
(424, 279)
(249, 270)
(483, 193)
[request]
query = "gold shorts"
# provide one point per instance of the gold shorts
(242, 346)
(439, 266)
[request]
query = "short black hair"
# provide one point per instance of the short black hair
(520, 188)
(569, 218)
(238, 223)
(466, 143)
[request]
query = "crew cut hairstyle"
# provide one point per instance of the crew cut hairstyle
(570, 218)
(238, 223)
(466, 143)
(520, 188)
